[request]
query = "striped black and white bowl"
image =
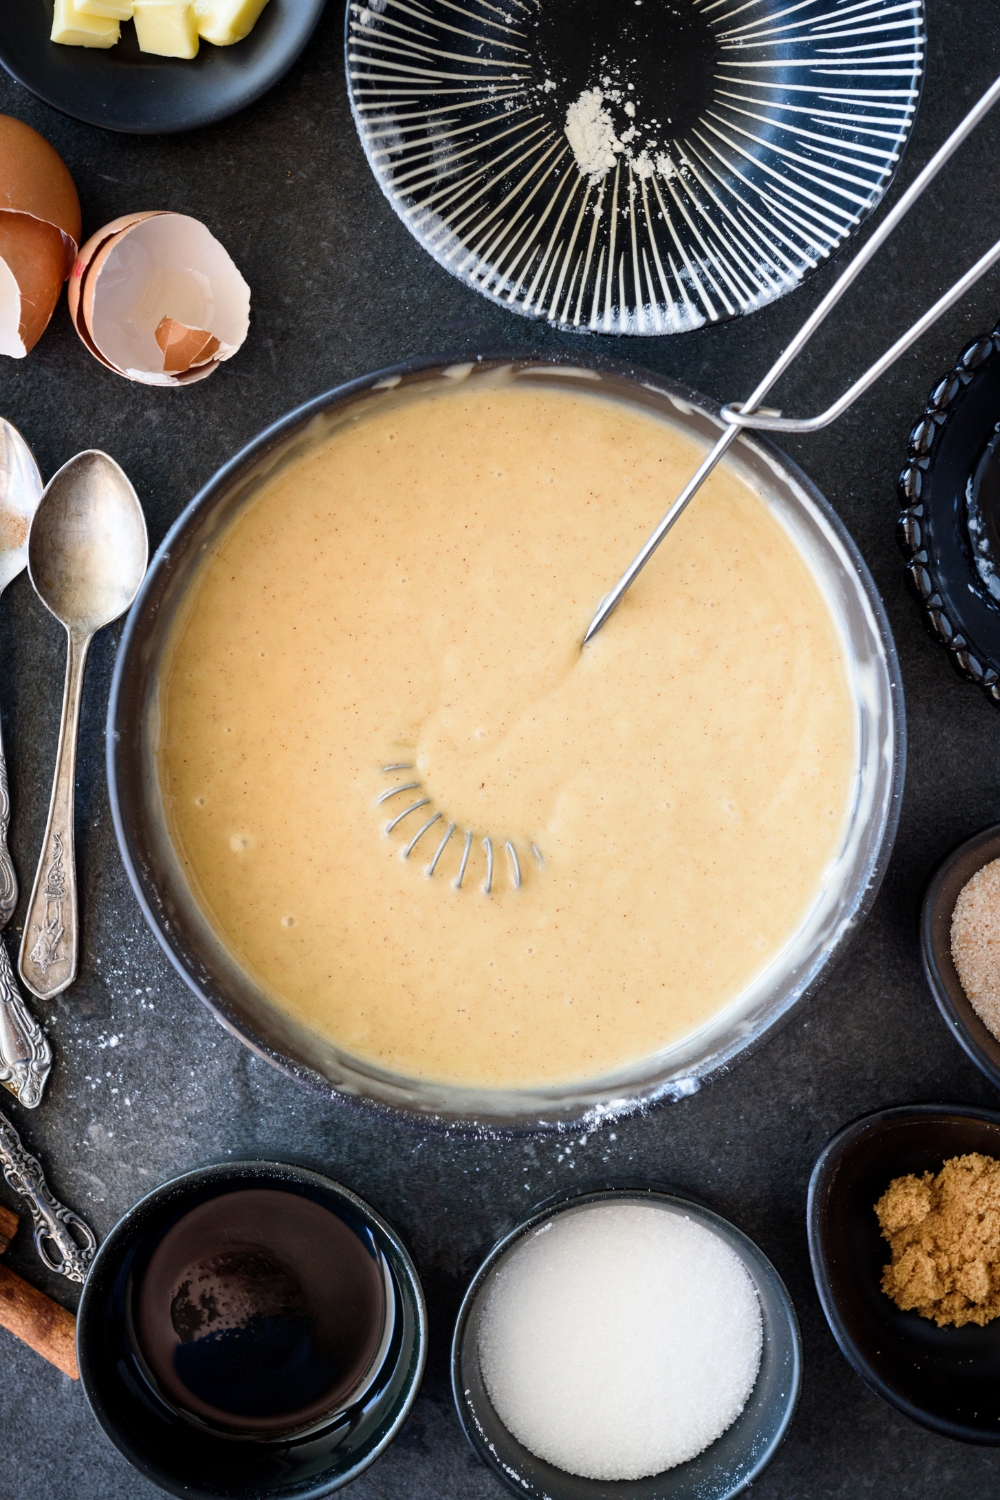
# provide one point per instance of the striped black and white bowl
(634, 166)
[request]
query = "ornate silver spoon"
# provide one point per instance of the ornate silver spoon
(87, 555)
(25, 1054)
(58, 1249)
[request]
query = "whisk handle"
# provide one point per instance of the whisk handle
(748, 416)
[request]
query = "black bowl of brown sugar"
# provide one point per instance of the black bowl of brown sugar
(251, 1330)
(937, 1364)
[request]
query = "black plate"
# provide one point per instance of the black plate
(949, 530)
(947, 1379)
(128, 90)
(966, 1027)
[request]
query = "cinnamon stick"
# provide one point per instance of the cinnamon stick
(8, 1227)
(31, 1316)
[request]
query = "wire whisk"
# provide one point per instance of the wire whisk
(489, 844)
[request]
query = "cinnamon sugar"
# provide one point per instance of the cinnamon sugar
(13, 529)
(975, 943)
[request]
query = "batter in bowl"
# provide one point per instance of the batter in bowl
(412, 592)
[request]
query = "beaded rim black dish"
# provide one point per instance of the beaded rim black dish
(779, 129)
(946, 594)
(135, 93)
(180, 1457)
(893, 1351)
(723, 1470)
(968, 1029)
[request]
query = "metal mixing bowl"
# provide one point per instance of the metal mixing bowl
(217, 978)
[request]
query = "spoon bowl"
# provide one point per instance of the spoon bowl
(87, 555)
(87, 550)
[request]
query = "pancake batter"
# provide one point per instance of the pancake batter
(413, 592)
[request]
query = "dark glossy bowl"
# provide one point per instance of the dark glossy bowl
(947, 1379)
(726, 1468)
(198, 1464)
(949, 528)
(965, 1025)
(131, 91)
(214, 974)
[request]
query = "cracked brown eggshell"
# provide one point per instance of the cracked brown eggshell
(39, 234)
(156, 298)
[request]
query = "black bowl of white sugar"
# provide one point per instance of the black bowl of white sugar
(626, 1345)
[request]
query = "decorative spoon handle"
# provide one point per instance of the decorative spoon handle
(25, 1054)
(8, 879)
(52, 1221)
(51, 942)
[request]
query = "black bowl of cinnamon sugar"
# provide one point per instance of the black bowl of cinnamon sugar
(904, 1238)
(960, 946)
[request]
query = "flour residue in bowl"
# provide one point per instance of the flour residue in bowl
(596, 141)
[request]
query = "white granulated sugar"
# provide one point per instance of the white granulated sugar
(620, 1340)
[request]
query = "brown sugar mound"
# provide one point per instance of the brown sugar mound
(975, 942)
(944, 1233)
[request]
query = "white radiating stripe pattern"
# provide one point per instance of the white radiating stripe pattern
(813, 103)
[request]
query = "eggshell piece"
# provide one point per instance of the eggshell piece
(35, 180)
(89, 251)
(10, 314)
(34, 254)
(91, 258)
(80, 292)
(184, 348)
(39, 233)
(157, 298)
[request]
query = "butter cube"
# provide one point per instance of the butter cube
(226, 21)
(111, 10)
(166, 27)
(82, 31)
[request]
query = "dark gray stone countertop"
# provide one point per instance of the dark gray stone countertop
(146, 1084)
